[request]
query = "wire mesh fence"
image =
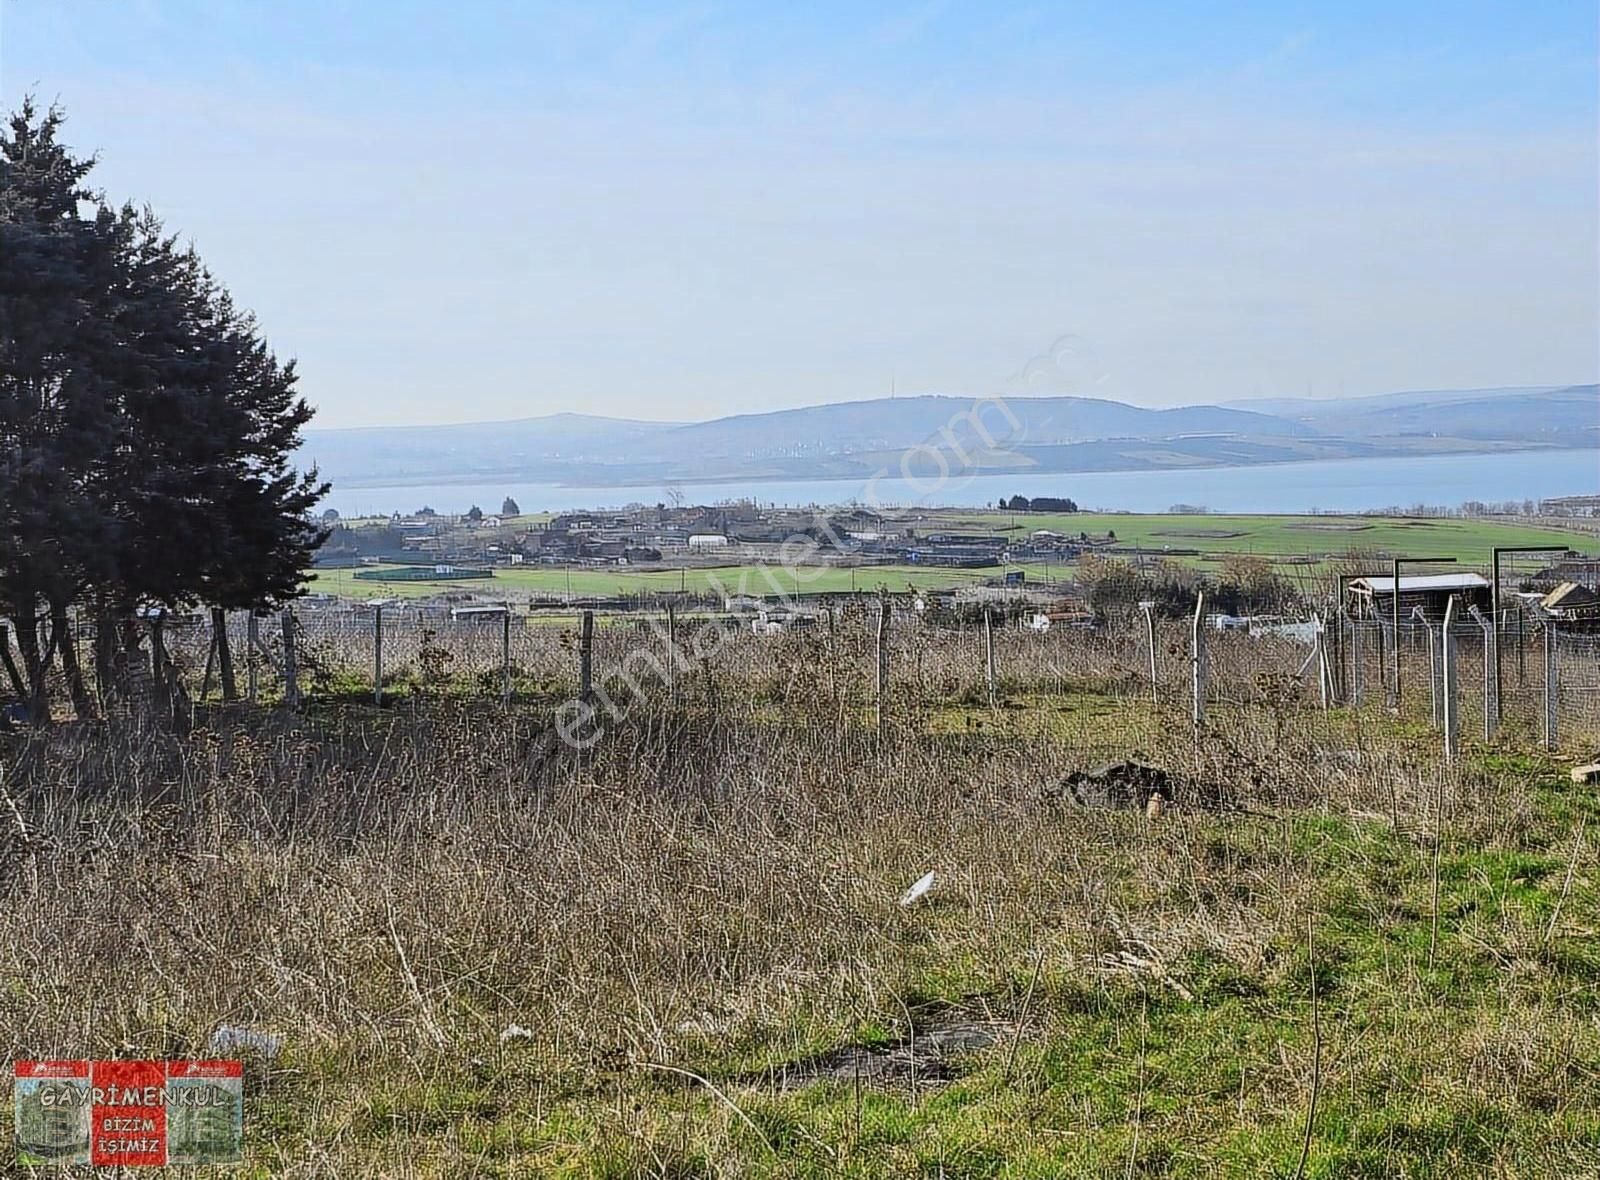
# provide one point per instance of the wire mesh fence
(1547, 688)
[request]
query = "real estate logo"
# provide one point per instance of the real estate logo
(128, 1113)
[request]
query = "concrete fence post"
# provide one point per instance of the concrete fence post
(1491, 684)
(988, 653)
(672, 653)
(505, 657)
(1357, 685)
(1198, 665)
(1147, 609)
(377, 655)
(1552, 687)
(291, 676)
(884, 610)
(252, 647)
(1433, 667)
(1449, 707)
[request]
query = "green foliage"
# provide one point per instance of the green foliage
(147, 428)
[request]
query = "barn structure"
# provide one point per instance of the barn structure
(1374, 595)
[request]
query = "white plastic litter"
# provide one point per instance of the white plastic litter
(920, 890)
(233, 1038)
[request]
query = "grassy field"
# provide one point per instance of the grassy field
(1468, 540)
(681, 953)
(751, 579)
(1281, 537)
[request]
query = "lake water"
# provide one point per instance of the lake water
(1343, 485)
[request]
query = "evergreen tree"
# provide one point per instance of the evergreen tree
(148, 430)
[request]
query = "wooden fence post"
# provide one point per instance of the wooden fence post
(586, 656)
(291, 677)
(377, 655)
(1197, 661)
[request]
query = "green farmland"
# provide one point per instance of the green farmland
(605, 582)
(1468, 541)
(1297, 539)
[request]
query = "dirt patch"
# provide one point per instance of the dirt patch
(1210, 534)
(933, 1056)
(1130, 785)
(1330, 526)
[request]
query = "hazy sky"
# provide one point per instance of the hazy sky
(456, 211)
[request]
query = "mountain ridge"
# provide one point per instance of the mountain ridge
(1065, 433)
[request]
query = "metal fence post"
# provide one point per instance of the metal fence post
(291, 679)
(1552, 686)
(1198, 664)
(586, 656)
(377, 655)
(1447, 679)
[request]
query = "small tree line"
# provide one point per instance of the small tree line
(146, 429)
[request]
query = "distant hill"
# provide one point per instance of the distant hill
(1543, 413)
(854, 439)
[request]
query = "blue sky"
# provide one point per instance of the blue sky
(490, 210)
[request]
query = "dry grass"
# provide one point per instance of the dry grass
(709, 897)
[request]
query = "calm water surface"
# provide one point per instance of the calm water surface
(1344, 485)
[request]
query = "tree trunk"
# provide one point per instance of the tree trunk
(110, 659)
(219, 625)
(35, 670)
(61, 627)
(17, 684)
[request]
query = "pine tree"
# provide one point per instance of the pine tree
(148, 430)
(56, 420)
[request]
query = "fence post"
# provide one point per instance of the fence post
(158, 671)
(1433, 667)
(1357, 687)
(377, 655)
(291, 680)
(1447, 680)
(1491, 669)
(988, 652)
(883, 661)
(252, 644)
(1197, 660)
(586, 656)
(672, 653)
(1147, 608)
(505, 656)
(1325, 664)
(1552, 685)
